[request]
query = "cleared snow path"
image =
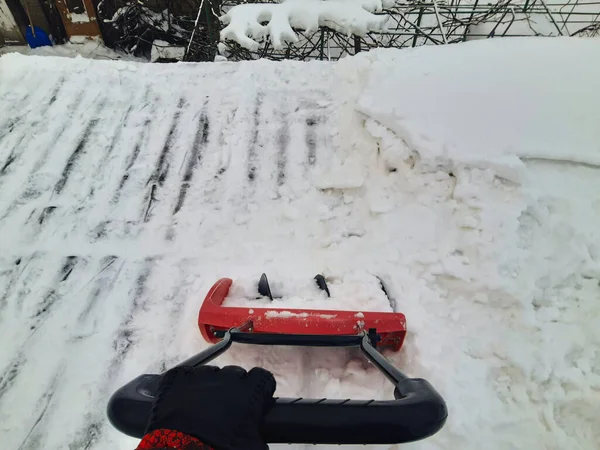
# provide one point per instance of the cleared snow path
(127, 189)
(119, 187)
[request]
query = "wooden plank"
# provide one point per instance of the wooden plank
(73, 24)
(10, 33)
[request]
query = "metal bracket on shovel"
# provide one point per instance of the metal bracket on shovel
(417, 412)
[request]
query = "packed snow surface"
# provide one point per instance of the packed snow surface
(127, 190)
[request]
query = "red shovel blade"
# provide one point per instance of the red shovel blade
(214, 318)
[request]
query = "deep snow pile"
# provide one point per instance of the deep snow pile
(407, 165)
(502, 109)
(501, 287)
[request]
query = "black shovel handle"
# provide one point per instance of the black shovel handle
(417, 412)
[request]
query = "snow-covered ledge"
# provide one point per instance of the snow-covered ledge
(244, 22)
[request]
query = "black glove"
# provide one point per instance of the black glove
(221, 407)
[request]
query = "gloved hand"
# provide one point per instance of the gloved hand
(221, 407)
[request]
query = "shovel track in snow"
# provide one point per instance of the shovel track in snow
(8, 126)
(30, 191)
(18, 105)
(136, 148)
(34, 437)
(27, 104)
(17, 149)
(125, 335)
(38, 317)
(310, 137)
(94, 423)
(118, 131)
(194, 159)
(11, 158)
(103, 163)
(252, 158)
(163, 164)
(91, 433)
(79, 150)
(8, 280)
(161, 169)
(74, 106)
(283, 141)
(11, 285)
(11, 373)
(29, 277)
(224, 156)
(268, 130)
(66, 172)
(52, 296)
(131, 160)
(45, 214)
(55, 91)
(104, 281)
(80, 187)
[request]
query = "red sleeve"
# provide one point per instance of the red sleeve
(170, 440)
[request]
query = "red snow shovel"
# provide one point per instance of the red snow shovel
(214, 319)
(416, 412)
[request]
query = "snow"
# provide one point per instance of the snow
(502, 130)
(79, 17)
(245, 22)
(79, 46)
(355, 290)
(150, 182)
(162, 49)
(283, 314)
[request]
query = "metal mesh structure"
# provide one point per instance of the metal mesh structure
(414, 23)
(193, 25)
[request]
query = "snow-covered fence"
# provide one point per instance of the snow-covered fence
(330, 29)
(429, 22)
